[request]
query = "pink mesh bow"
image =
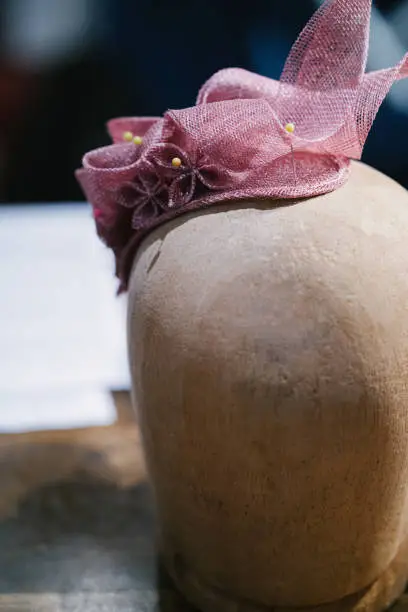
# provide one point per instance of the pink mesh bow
(247, 137)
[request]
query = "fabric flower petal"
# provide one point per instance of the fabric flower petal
(163, 154)
(143, 212)
(129, 194)
(182, 189)
(213, 176)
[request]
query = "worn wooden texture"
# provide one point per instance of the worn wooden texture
(77, 530)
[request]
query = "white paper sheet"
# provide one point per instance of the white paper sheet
(62, 330)
(56, 409)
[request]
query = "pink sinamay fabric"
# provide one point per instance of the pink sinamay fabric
(233, 144)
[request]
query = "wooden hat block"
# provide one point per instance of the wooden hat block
(269, 356)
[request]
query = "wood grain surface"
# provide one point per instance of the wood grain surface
(77, 529)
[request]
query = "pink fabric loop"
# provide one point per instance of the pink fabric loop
(137, 126)
(373, 88)
(234, 143)
(236, 83)
(331, 52)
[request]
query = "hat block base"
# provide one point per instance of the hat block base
(268, 348)
(376, 597)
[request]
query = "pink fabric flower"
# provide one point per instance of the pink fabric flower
(147, 195)
(194, 171)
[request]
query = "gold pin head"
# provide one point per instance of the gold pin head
(127, 136)
(176, 162)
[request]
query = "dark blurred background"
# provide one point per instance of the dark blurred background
(69, 65)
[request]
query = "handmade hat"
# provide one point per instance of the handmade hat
(248, 136)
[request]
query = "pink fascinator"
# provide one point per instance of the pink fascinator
(247, 136)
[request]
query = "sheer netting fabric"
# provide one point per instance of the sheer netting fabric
(247, 137)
